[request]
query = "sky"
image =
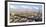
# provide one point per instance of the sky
(25, 7)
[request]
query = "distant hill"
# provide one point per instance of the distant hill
(24, 10)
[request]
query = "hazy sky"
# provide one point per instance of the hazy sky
(25, 7)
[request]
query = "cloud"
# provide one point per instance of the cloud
(12, 6)
(36, 7)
